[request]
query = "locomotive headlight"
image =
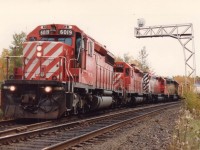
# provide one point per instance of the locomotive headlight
(12, 88)
(39, 48)
(48, 89)
(39, 54)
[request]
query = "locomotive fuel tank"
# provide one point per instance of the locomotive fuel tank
(161, 97)
(100, 102)
(107, 93)
(139, 99)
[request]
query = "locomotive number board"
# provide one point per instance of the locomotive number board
(44, 32)
(120, 65)
(68, 32)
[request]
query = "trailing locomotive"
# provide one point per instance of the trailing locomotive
(137, 86)
(66, 71)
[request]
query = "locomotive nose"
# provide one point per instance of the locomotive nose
(45, 60)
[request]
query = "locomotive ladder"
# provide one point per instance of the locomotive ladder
(184, 33)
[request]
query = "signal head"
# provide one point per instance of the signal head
(141, 22)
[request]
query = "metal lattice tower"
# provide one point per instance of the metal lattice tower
(184, 33)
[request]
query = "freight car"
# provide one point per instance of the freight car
(65, 71)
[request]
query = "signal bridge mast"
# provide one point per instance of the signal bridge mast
(184, 33)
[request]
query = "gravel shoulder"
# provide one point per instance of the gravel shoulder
(153, 133)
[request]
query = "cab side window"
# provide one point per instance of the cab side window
(78, 45)
(90, 47)
(127, 71)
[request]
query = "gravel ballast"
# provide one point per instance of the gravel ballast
(152, 133)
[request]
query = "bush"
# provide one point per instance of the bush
(187, 130)
(192, 102)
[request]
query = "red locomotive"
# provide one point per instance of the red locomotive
(66, 71)
(128, 82)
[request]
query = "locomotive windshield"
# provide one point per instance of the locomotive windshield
(118, 69)
(67, 40)
(47, 39)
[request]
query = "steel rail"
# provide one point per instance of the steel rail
(25, 128)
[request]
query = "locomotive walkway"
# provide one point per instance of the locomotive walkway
(70, 134)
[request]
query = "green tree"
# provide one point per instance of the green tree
(128, 58)
(118, 58)
(16, 49)
(142, 60)
(3, 66)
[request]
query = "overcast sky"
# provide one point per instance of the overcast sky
(110, 22)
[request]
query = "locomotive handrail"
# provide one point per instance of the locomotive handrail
(7, 57)
(96, 67)
(70, 72)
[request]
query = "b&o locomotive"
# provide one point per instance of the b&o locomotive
(65, 71)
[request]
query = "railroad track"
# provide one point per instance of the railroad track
(66, 135)
(12, 126)
(9, 127)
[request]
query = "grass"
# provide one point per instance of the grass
(187, 131)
